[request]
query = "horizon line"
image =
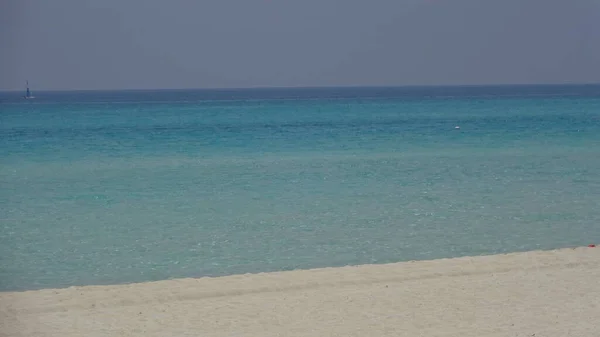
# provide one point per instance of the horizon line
(319, 87)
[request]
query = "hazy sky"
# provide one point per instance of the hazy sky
(110, 44)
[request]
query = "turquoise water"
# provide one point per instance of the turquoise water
(106, 188)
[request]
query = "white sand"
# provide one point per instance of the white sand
(541, 294)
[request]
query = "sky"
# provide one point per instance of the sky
(153, 44)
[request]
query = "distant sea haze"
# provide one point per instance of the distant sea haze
(116, 187)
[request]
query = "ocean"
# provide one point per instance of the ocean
(132, 186)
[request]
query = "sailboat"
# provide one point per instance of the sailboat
(28, 95)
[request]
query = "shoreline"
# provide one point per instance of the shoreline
(555, 292)
(315, 271)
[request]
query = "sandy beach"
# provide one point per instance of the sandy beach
(541, 294)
